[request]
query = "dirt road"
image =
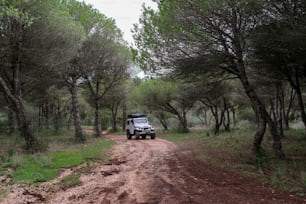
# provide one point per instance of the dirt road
(154, 171)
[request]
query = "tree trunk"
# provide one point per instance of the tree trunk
(114, 119)
(11, 120)
(234, 116)
(79, 136)
(296, 86)
(46, 114)
(276, 104)
(183, 125)
(24, 127)
(258, 137)
(262, 117)
(57, 119)
(16, 103)
(97, 118)
(163, 121)
(40, 115)
(302, 106)
(217, 127)
(280, 109)
(124, 116)
(227, 119)
(218, 120)
(286, 113)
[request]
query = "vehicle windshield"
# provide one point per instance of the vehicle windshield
(140, 120)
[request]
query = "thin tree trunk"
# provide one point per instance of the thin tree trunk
(262, 117)
(46, 113)
(79, 136)
(162, 120)
(183, 125)
(124, 116)
(280, 109)
(258, 137)
(97, 118)
(226, 120)
(214, 110)
(287, 112)
(11, 120)
(296, 86)
(114, 118)
(24, 125)
(57, 118)
(234, 116)
(302, 106)
(40, 107)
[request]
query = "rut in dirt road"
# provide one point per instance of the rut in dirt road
(154, 171)
(157, 171)
(129, 177)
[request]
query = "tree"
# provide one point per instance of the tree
(213, 33)
(159, 95)
(280, 45)
(63, 72)
(14, 22)
(59, 105)
(219, 107)
(113, 100)
(89, 19)
(39, 36)
(105, 60)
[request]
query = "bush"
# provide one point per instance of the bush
(245, 125)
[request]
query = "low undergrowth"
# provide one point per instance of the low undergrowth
(232, 151)
(63, 152)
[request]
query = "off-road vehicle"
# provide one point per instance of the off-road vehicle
(138, 125)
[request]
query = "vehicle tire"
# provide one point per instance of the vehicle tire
(143, 137)
(128, 135)
(136, 133)
(153, 136)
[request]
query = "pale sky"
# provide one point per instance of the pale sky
(125, 12)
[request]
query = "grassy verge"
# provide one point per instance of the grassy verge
(174, 137)
(232, 151)
(63, 153)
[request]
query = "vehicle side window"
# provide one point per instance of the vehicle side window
(128, 122)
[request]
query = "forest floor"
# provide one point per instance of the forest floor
(150, 171)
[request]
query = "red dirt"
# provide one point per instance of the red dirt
(153, 171)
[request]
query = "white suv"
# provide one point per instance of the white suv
(138, 125)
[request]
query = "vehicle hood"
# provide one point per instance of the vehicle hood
(142, 125)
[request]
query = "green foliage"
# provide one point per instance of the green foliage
(155, 93)
(279, 178)
(41, 167)
(69, 181)
(34, 168)
(158, 96)
(303, 181)
(260, 158)
(174, 137)
(13, 9)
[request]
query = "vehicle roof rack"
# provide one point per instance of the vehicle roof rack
(137, 115)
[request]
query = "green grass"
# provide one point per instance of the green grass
(42, 167)
(232, 151)
(174, 137)
(69, 181)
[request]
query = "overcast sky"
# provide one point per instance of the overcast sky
(125, 12)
